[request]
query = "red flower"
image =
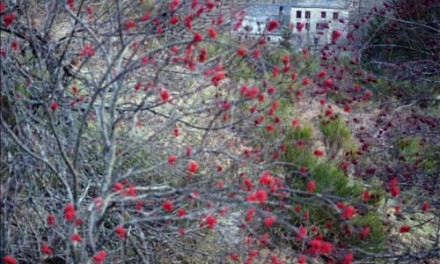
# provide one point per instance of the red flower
(9, 260)
(198, 37)
(303, 170)
(45, 249)
(405, 229)
(241, 52)
(234, 257)
(305, 81)
(54, 106)
(256, 53)
(302, 259)
(211, 221)
(273, 24)
(164, 95)
(168, 206)
(193, 166)
(322, 74)
(118, 187)
(364, 233)
(261, 196)
(71, 3)
(311, 186)
(174, 4)
(328, 83)
(181, 212)
(425, 206)
(99, 257)
(318, 153)
(51, 220)
(76, 237)
(348, 258)
(87, 50)
(69, 212)
(302, 233)
(8, 19)
(131, 191)
(348, 212)
(395, 191)
(326, 248)
(172, 159)
(122, 232)
(174, 20)
(212, 33)
(366, 196)
(265, 178)
(2, 7)
(250, 214)
(268, 221)
(130, 25)
(336, 34)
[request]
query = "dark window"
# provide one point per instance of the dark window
(335, 15)
(323, 14)
(298, 14)
(307, 14)
(307, 26)
(298, 25)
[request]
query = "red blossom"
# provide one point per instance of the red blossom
(211, 221)
(302, 233)
(250, 214)
(174, 20)
(168, 206)
(348, 212)
(318, 153)
(425, 206)
(311, 186)
(302, 259)
(405, 229)
(76, 238)
(268, 221)
(164, 95)
(51, 220)
(131, 191)
(272, 25)
(198, 37)
(99, 257)
(181, 212)
(130, 25)
(8, 19)
(69, 212)
(193, 166)
(348, 258)
(265, 178)
(54, 106)
(121, 231)
(9, 260)
(172, 159)
(45, 249)
(241, 52)
(118, 187)
(212, 33)
(261, 195)
(364, 233)
(174, 4)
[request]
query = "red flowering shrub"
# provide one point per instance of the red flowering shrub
(166, 131)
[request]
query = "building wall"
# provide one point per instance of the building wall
(312, 35)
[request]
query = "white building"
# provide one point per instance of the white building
(315, 20)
